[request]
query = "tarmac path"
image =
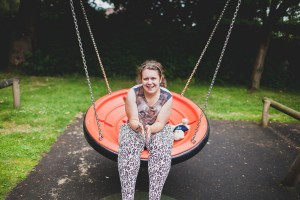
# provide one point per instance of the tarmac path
(240, 161)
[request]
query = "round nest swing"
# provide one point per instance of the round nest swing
(102, 132)
(112, 110)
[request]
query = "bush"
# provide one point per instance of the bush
(124, 47)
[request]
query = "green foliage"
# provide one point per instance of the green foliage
(56, 61)
(38, 64)
(282, 69)
(123, 47)
(128, 37)
(8, 7)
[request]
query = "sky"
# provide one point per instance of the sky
(101, 5)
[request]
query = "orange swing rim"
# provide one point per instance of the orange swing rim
(111, 111)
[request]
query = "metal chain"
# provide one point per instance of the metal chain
(196, 66)
(204, 50)
(95, 47)
(217, 68)
(85, 69)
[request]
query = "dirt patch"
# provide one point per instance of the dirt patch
(12, 127)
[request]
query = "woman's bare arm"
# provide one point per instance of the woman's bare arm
(132, 111)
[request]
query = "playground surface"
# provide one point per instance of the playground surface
(241, 160)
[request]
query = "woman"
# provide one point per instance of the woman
(148, 107)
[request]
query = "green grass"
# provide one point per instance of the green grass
(48, 105)
(237, 103)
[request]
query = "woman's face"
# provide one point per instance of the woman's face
(151, 80)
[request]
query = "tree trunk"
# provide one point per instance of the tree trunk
(24, 34)
(258, 66)
(277, 9)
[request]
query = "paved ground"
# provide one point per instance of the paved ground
(240, 161)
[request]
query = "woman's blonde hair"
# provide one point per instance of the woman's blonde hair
(152, 65)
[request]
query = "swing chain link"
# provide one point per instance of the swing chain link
(217, 69)
(205, 48)
(95, 47)
(85, 69)
(222, 54)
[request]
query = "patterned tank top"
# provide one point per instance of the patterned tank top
(148, 114)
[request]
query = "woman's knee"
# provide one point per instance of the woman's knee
(129, 141)
(164, 137)
(161, 143)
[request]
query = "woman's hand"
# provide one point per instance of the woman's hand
(139, 128)
(148, 129)
(148, 132)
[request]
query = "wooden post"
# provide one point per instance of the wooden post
(265, 113)
(16, 92)
(269, 102)
(293, 174)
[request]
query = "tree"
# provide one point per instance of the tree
(270, 13)
(23, 37)
(179, 12)
(8, 11)
(265, 15)
(8, 7)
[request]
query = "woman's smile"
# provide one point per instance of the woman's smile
(150, 80)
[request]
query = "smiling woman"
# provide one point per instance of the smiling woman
(148, 108)
(152, 65)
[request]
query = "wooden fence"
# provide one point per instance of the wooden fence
(15, 83)
(293, 175)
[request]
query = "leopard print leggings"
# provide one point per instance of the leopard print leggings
(159, 163)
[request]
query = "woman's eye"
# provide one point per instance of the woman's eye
(151, 78)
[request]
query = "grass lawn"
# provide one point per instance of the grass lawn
(48, 105)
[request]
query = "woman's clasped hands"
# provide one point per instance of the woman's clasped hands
(145, 131)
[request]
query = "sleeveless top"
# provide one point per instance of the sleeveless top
(148, 114)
